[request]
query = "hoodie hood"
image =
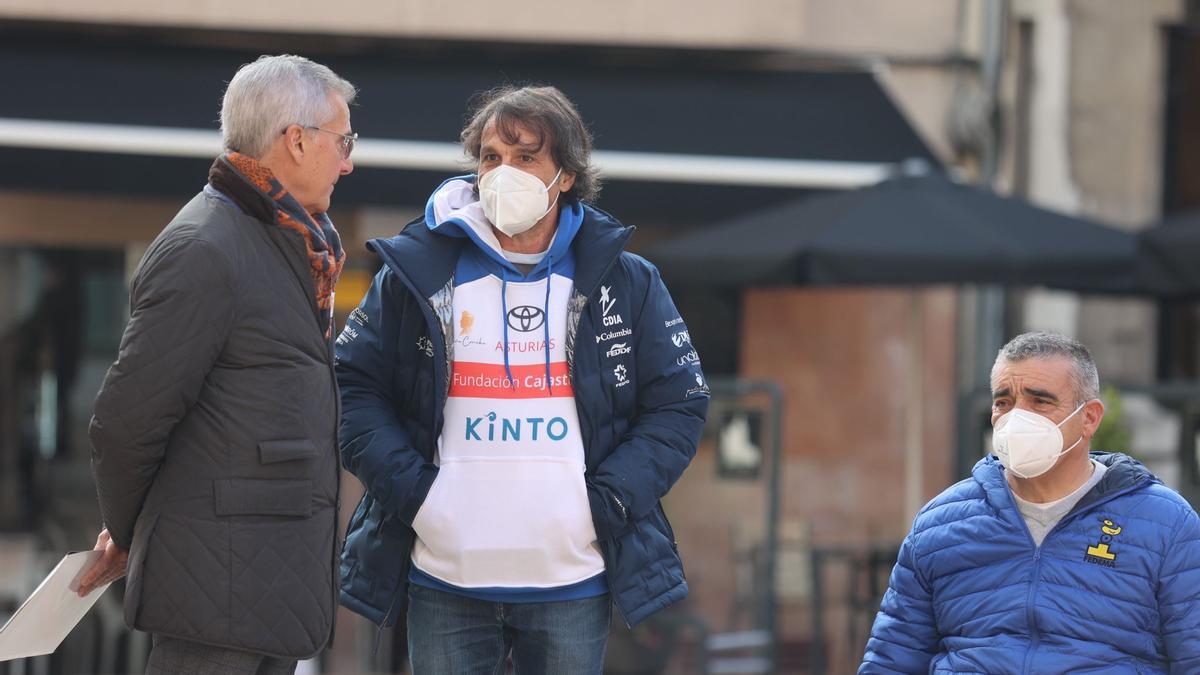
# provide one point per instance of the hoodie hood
(454, 210)
(424, 259)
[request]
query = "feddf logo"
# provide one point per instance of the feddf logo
(618, 349)
(1100, 553)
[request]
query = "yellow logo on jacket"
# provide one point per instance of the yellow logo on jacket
(1100, 553)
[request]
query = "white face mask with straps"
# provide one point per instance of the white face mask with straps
(1028, 444)
(514, 200)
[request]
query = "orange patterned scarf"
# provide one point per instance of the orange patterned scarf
(259, 193)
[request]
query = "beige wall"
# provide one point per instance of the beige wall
(924, 94)
(843, 360)
(88, 221)
(683, 22)
(1118, 56)
(73, 220)
(908, 41)
(915, 27)
(1096, 148)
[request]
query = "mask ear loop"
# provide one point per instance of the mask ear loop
(553, 181)
(1075, 412)
(547, 189)
(1059, 426)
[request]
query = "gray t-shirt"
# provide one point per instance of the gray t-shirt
(1041, 518)
(524, 261)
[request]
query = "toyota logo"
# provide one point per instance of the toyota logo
(526, 318)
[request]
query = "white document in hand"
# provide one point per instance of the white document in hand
(44, 620)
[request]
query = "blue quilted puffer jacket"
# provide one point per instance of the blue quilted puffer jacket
(1114, 588)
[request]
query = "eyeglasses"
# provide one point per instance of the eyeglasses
(348, 140)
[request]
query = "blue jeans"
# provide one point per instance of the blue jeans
(450, 634)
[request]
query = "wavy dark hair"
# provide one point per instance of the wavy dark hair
(551, 116)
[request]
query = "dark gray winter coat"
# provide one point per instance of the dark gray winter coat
(214, 439)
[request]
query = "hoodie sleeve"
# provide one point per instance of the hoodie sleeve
(1179, 595)
(904, 638)
(672, 403)
(373, 442)
(181, 302)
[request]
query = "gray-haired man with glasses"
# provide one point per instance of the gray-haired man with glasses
(214, 434)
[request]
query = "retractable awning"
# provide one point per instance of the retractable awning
(676, 140)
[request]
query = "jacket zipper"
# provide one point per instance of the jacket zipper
(311, 291)
(435, 331)
(1035, 634)
(439, 356)
(337, 472)
(607, 546)
(391, 606)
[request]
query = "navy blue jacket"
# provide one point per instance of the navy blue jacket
(1114, 588)
(393, 372)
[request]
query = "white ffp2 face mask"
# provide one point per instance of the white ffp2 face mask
(514, 200)
(1028, 444)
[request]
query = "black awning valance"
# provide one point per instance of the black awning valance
(675, 107)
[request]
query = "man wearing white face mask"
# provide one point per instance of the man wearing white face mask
(1050, 558)
(518, 394)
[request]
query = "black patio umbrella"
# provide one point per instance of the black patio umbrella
(906, 230)
(1169, 256)
(909, 230)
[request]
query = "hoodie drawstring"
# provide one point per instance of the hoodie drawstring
(545, 322)
(504, 320)
(546, 319)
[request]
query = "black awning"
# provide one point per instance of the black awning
(632, 101)
(906, 230)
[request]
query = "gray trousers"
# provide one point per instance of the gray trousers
(171, 656)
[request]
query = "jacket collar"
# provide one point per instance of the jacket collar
(600, 240)
(426, 260)
(1124, 474)
(423, 259)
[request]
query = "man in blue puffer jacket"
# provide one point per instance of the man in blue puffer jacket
(518, 393)
(1050, 558)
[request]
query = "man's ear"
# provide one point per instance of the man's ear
(1093, 413)
(295, 142)
(566, 181)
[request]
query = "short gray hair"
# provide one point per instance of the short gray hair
(1085, 379)
(552, 117)
(267, 96)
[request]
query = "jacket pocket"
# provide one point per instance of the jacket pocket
(142, 531)
(263, 497)
(670, 532)
(645, 565)
(271, 452)
(360, 514)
